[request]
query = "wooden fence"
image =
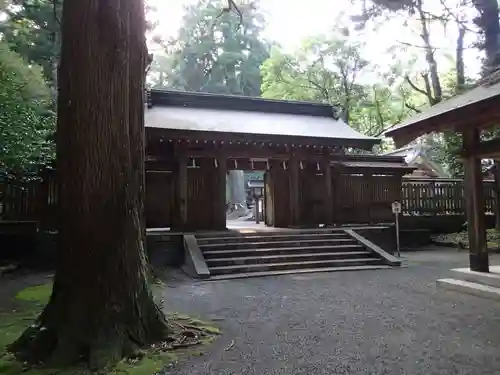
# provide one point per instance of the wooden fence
(440, 197)
(34, 200)
(354, 198)
(365, 199)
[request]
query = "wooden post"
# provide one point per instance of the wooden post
(474, 196)
(369, 204)
(294, 175)
(496, 193)
(328, 192)
(182, 180)
(268, 213)
(256, 208)
(220, 205)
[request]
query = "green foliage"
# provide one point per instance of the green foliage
(26, 122)
(217, 55)
(461, 239)
(31, 29)
(330, 69)
(461, 15)
(451, 147)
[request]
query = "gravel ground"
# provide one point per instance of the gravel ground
(365, 322)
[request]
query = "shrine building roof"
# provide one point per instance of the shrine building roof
(227, 117)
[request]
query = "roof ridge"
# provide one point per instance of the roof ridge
(176, 98)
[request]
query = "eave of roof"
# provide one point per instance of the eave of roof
(239, 118)
(377, 165)
(436, 118)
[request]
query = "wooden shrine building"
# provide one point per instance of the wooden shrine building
(468, 114)
(193, 139)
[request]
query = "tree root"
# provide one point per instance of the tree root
(55, 343)
(54, 346)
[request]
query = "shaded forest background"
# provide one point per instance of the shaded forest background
(231, 56)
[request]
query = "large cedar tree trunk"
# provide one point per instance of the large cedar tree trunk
(496, 175)
(490, 27)
(489, 24)
(101, 308)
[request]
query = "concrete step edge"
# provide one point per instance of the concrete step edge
(296, 271)
(259, 236)
(287, 264)
(268, 249)
(285, 256)
(247, 243)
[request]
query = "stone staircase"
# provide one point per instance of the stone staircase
(235, 255)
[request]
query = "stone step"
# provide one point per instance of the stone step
(269, 238)
(282, 250)
(259, 233)
(304, 243)
(295, 271)
(261, 259)
(293, 265)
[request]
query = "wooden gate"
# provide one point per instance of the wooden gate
(159, 199)
(206, 205)
(268, 201)
(312, 198)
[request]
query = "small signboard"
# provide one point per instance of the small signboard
(396, 207)
(396, 210)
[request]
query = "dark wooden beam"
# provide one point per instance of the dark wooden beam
(474, 197)
(220, 198)
(245, 138)
(294, 180)
(328, 192)
(257, 153)
(484, 150)
(308, 154)
(182, 180)
(246, 165)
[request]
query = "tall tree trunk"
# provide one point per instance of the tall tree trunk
(429, 55)
(460, 66)
(101, 308)
(490, 26)
(496, 176)
(488, 22)
(56, 36)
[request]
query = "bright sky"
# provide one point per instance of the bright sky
(289, 22)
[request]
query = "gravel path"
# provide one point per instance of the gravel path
(368, 322)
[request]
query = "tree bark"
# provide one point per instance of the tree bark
(101, 308)
(429, 56)
(488, 23)
(496, 174)
(459, 57)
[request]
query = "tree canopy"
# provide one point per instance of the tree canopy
(218, 52)
(31, 28)
(26, 121)
(330, 69)
(214, 54)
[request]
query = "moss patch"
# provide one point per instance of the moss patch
(461, 239)
(29, 302)
(38, 293)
